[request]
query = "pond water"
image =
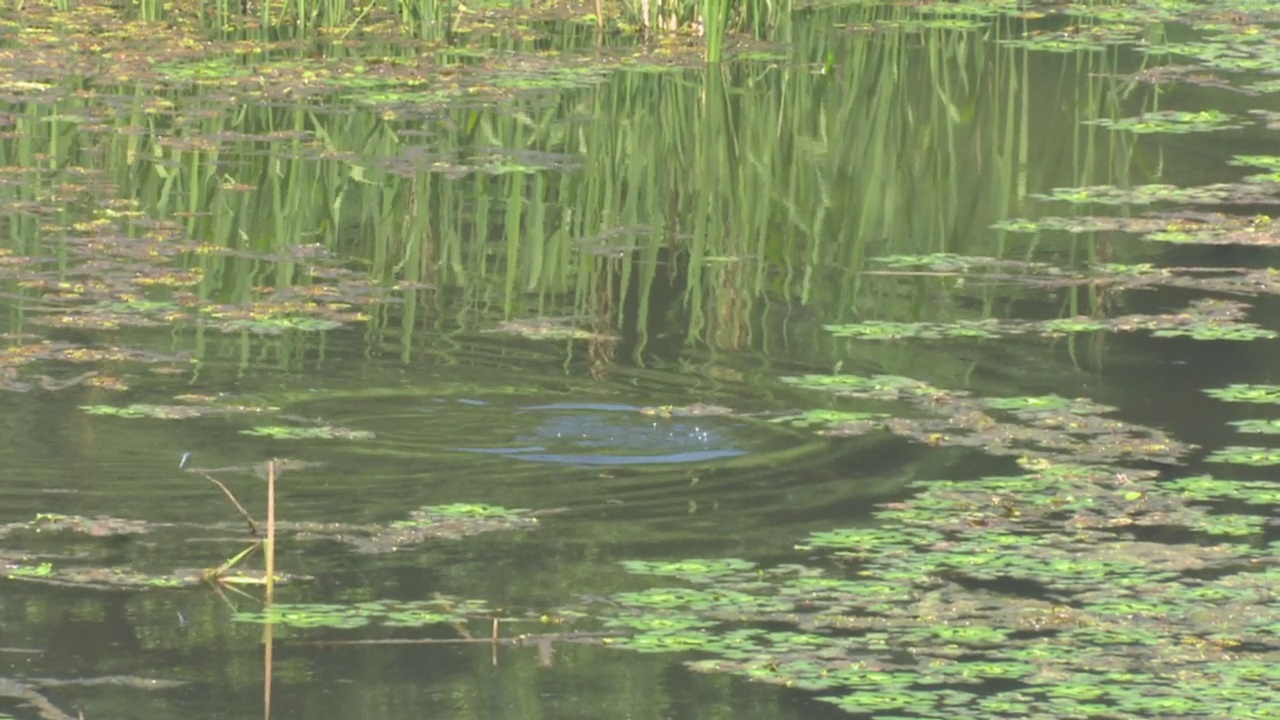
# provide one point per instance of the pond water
(913, 362)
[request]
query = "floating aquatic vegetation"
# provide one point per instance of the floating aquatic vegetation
(1245, 455)
(1209, 488)
(1046, 427)
(834, 422)
(923, 615)
(1056, 42)
(441, 610)
(1184, 228)
(951, 262)
(1240, 193)
(1232, 524)
(173, 412)
(1206, 319)
(107, 578)
(1081, 224)
(548, 329)
(492, 161)
(433, 522)
(875, 387)
(1258, 425)
(1218, 230)
(871, 541)
(883, 330)
(1034, 405)
(648, 627)
(1129, 648)
(1172, 122)
(319, 432)
(1243, 332)
(695, 571)
(1247, 393)
(1068, 326)
(1270, 163)
(16, 357)
(100, 526)
(694, 410)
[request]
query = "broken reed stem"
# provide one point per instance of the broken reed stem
(270, 549)
(253, 526)
(222, 569)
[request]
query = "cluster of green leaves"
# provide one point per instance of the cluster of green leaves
(1172, 122)
(1046, 427)
(923, 584)
(319, 432)
(1203, 320)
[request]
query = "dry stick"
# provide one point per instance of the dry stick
(253, 526)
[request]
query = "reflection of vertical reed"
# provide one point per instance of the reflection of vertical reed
(268, 646)
(269, 551)
(901, 143)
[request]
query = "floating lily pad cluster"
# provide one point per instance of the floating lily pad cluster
(433, 522)
(694, 410)
(1046, 427)
(1174, 227)
(174, 412)
(385, 613)
(136, 284)
(18, 565)
(1262, 394)
(1173, 122)
(1203, 320)
(68, 359)
(1243, 193)
(194, 406)
(549, 329)
(316, 432)
(1234, 50)
(1115, 276)
(915, 616)
(121, 269)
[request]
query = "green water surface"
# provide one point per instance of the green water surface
(888, 324)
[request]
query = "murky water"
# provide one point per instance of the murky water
(875, 372)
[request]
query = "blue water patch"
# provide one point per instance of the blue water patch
(541, 455)
(595, 434)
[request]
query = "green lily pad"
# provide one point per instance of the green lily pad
(1244, 455)
(1172, 122)
(1250, 393)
